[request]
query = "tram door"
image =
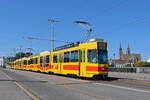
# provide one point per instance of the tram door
(41, 63)
(44, 63)
(60, 62)
(82, 64)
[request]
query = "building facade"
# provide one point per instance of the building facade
(1, 62)
(127, 59)
(148, 60)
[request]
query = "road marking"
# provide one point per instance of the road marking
(122, 87)
(34, 97)
(77, 90)
(73, 83)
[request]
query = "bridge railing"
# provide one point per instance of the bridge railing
(130, 69)
(125, 69)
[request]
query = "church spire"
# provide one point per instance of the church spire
(128, 50)
(120, 46)
(120, 53)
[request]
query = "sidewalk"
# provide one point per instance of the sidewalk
(138, 76)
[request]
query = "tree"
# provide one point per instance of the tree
(10, 58)
(20, 55)
(142, 64)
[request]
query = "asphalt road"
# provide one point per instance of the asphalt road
(38, 86)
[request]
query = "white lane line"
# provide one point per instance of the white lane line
(122, 87)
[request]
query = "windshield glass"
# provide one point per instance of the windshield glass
(102, 57)
(92, 56)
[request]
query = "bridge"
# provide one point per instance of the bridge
(25, 85)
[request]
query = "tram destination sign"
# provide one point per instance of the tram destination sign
(67, 46)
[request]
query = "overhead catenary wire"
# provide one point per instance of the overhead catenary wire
(110, 8)
(35, 38)
(137, 21)
(113, 6)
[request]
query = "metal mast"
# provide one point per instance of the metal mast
(52, 28)
(30, 38)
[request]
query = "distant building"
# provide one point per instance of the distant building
(148, 60)
(126, 59)
(1, 62)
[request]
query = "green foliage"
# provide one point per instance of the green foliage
(20, 55)
(111, 65)
(142, 64)
(128, 65)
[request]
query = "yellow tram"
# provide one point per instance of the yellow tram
(77, 59)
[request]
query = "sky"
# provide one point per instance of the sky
(116, 21)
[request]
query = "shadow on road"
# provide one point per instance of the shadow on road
(7, 80)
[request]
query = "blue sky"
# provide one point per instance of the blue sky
(125, 21)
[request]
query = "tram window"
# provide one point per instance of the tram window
(74, 56)
(66, 56)
(41, 61)
(25, 62)
(84, 56)
(92, 56)
(80, 56)
(47, 59)
(102, 57)
(31, 61)
(36, 60)
(54, 58)
(19, 63)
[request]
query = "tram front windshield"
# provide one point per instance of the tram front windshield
(102, 57)
(92, 56)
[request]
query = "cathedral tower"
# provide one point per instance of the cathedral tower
(121, 53)
(128, 50)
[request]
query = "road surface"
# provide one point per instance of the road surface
(25, 85)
